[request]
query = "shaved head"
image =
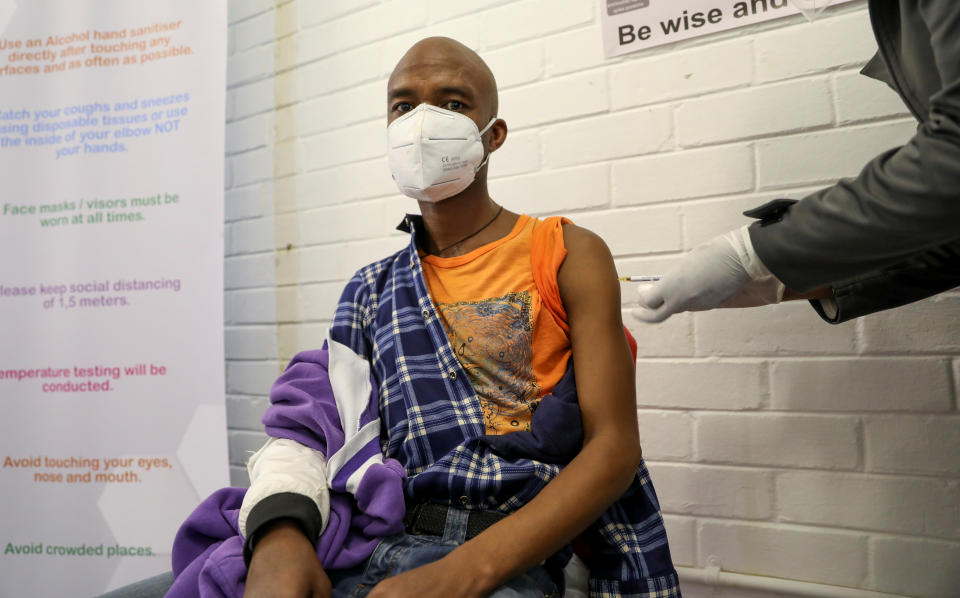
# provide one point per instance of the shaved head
(436, 67)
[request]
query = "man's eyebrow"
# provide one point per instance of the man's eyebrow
(454, 90)
(449, 90)
(398, 92)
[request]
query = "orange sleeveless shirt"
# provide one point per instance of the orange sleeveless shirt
(500, 306)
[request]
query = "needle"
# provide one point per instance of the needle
(654, 278)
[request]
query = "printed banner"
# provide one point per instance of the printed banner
(633, 25)
(112, 415)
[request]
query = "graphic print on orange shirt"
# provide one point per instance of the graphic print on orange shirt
(493, 340)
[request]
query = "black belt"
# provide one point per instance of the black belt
(430, 519)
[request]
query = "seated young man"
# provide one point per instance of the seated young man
(440, 445)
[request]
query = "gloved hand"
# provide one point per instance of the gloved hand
(723, 272)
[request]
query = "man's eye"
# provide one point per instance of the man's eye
(402, 107)
(454, 105)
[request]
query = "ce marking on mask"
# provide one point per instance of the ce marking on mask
(452, 163)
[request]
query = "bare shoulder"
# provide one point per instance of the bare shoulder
(583, 243)
(588, 268)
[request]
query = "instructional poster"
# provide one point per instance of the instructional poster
(112, 415)
(633, 25)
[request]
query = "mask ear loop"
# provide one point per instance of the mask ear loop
(487, 156)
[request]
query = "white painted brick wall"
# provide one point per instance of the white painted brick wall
(779, 445)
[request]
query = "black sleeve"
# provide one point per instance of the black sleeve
(286, 505)
(903, 203)
(920, 277)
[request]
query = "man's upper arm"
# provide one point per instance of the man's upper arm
(602, 360)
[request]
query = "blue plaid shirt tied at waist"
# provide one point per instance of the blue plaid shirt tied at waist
(432, 423)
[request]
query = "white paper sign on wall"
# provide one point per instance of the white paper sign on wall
(633, 25)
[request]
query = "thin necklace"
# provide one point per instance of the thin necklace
(473, 234)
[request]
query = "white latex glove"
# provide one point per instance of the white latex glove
(723, 272)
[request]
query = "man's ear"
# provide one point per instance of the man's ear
(498, 135)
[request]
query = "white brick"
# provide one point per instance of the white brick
(251, 377)
(360, 253)
(648, 80)
(288, 158)
(559, 99)
(683, 175)
(516, 65)
(363, 180)
(823, 442)
(914, 567)
(294, 338)
(371, 24)
(253, 167)
(573, 51)
(520, 154)
(250, 342)
(248, 202)
(605, 137)
(245, 412)
(533, 18)
(250, 65)
(243, 444)
(307, 190)
(239, 476)
(913, 444)
(320, 300)
(313, 264)
(341, 223)
(287, 19)
(862, 385)
(785, 329)
(713, 491)
(442, 10)
(253, 98)
(289, 86)
(254, 32)
(673, 338)
(252, 236)
(907, 505)
(555, 191)
(346, 107)
(340, 71)
(792, 553)
(666, 435)
(249, 133)
(862, 98)
(317, 13)
(755, 112)
(637, 230)
(682, 535)
(248, 271)
(257, 306)
(807, 49)
(700, 384)
(349, 144)
(826, 156)
(465, 30)
(238, 10)
(931, 326)
(704, 220)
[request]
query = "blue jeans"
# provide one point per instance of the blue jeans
(395, 554)
(404, 552)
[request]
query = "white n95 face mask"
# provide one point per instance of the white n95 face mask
(434, 153)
